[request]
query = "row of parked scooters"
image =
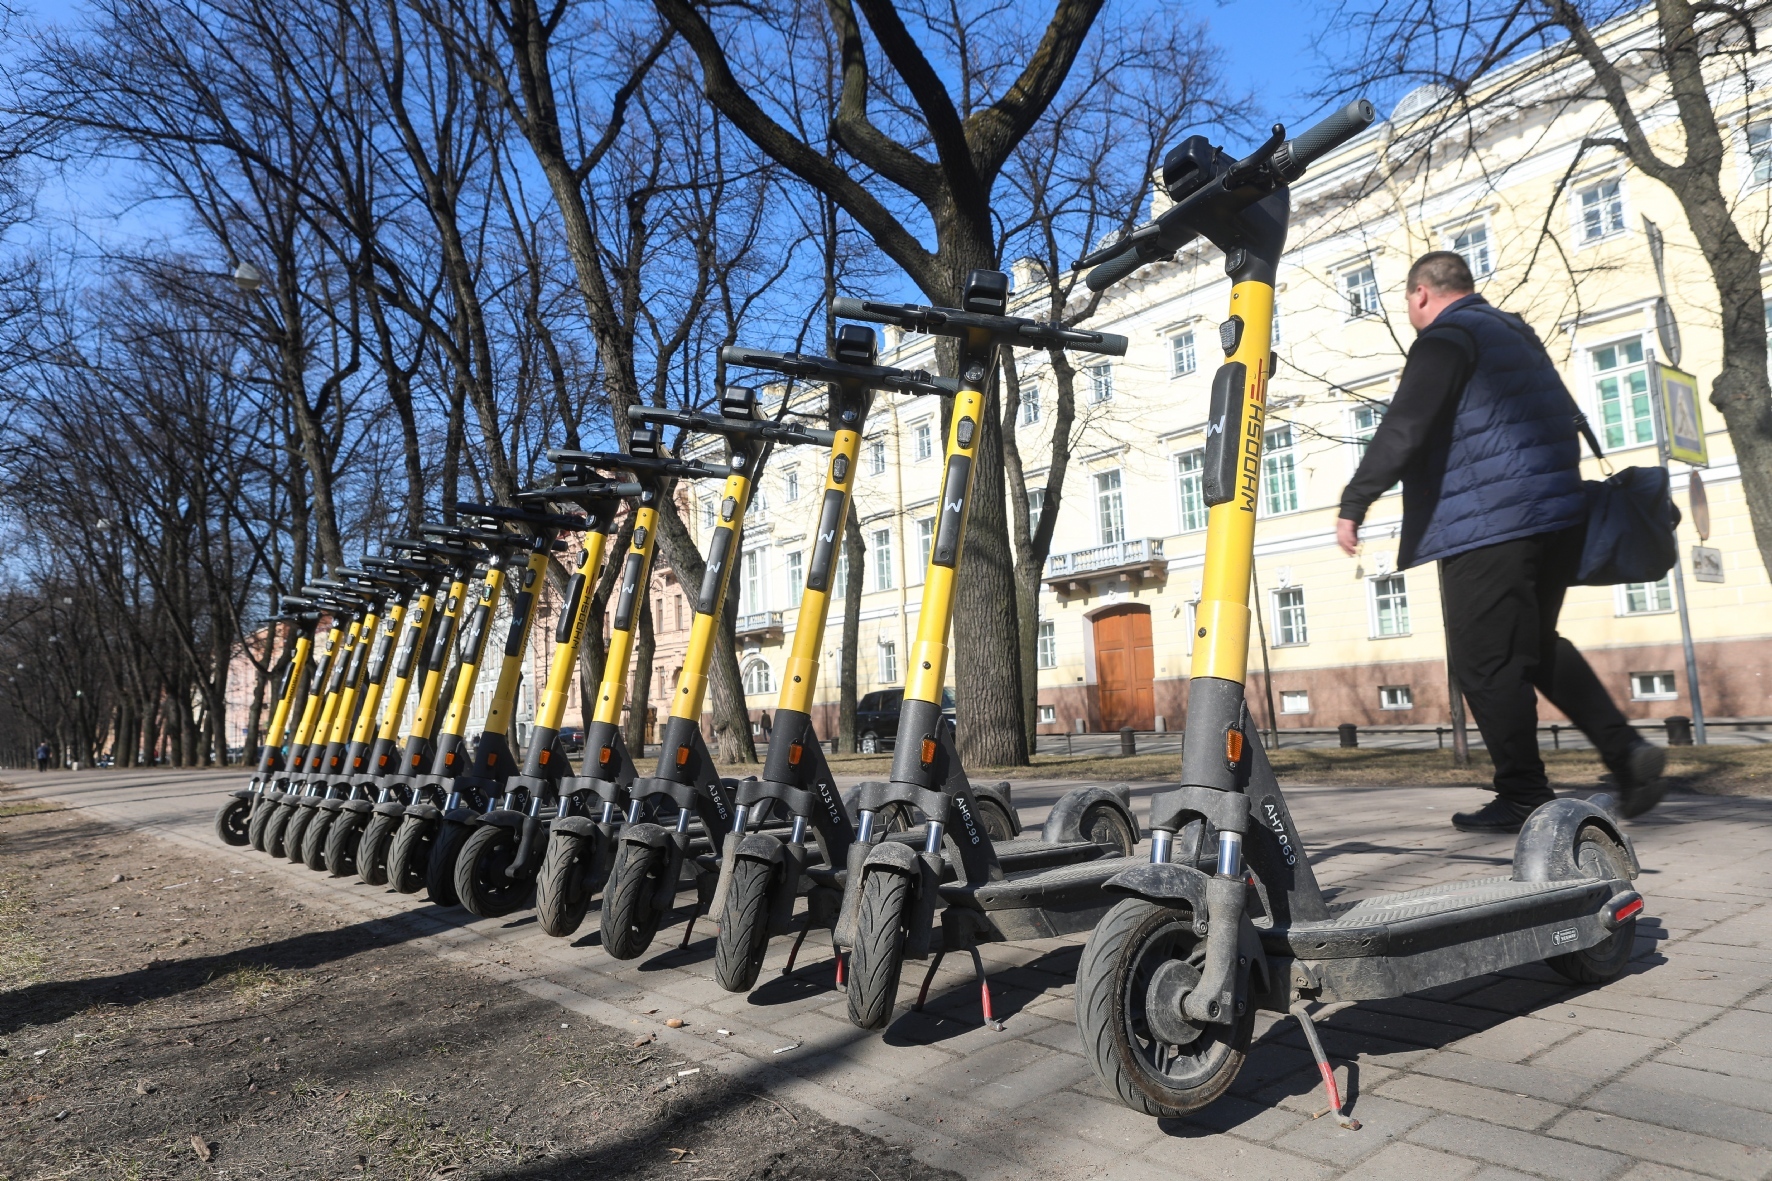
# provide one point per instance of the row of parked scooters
(1222, 917)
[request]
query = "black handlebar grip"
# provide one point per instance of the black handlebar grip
(1300, 152)
(1115, 269)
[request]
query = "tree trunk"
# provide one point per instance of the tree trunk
(640, 690)
(854, 557)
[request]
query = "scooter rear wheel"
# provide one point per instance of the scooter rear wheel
(261, 820)
(409, 858)
(877, 959)
(744, 927)
(342, 839)
(563, 888)
(440, 870)
(1119, 962)
(482, 881)
(1605, 961)
(232, 821)
(373, 847)
(995, 819)
(629, 921)
(313, 839)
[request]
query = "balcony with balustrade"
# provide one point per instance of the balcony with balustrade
(1135, 562)
(759, 627)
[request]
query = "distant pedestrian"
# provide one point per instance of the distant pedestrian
(1482, 434)
(43, 756)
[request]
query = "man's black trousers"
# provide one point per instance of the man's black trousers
(1502, 603)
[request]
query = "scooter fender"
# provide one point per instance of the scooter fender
(509, 818)
(424, 813)
(754, 846)
(1167, 884)
(243, 793)
(843, 934)
(396, 808)
(1065, 822)
(578, 826)
(920, 930)
(362, 806)
(900, 858)
(1545, 850)
(676, 852)
(527, 859)
(786, 886)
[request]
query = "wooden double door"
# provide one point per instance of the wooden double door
(1125, 667)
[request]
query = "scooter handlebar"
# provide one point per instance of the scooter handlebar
(777, 432)
(957, 322)
(647, 465)
(1300, 152)
(519, 516)
(879, 377)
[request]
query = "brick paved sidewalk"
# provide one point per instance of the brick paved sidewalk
(1665, 1074)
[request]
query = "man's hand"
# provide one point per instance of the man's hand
(1347, 536)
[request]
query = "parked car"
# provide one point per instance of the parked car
(876, 718)
(572, 738)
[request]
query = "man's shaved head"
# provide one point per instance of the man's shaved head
(1443, 272)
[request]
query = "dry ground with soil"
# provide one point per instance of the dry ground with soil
(163, 1018)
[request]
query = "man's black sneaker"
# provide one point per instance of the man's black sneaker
(1640, 786)
(1497, 816)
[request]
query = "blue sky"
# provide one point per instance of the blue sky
(1269, 48)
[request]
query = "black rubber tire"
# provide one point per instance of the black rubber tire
(894, 818)
(313, 839)
(342, 839)
(373, 848)
(628, 920)
(232, 821)
(877, 959)
(744, 928)
(410, 855)
(440, 869)
(563, 887)
(481, 883)
(261, 820)
(295, 832)
(1105, 824)
(1605, 961)
(276, 826)
(1129, 942)
(995, 819)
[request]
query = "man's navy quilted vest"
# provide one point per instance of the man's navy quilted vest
(1510, 464)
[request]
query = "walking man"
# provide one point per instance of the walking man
(1482, 433)
(42, 756)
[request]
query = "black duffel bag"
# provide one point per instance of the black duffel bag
(1631, 517)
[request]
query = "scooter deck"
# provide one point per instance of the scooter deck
(1062, 900)
(1391, 944)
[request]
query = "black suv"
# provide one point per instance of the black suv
(876, 718)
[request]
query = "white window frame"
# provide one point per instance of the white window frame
(1273, 459)
(877, 456)
(1101, 382)
(925, 527)
(922, 441)
(1452, 232)
(710, 513)
(1622, 592)
(753, 586)
(1597, 406)
(1373, 611)
(1048, 715)
(880, 550)
(1198, 475)
(1046, 644)
(1370, 302)
(1102, 500)
(1751, 178)
(1578, 209)
(750, 677)
(1030, 403)
(1279, 611)
(1287, 707)
(1036, 506)
(886, 660)
(1184, 353)
(790, 483)
(1407, 701)
(1671, 693)
(796, 571)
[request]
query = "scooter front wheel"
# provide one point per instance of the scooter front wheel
(233, 821)
(300, 819)
(409, 858)
(276, 826)
(373, 847)
(342, 839)
(261, 820)
(563, 888)
(877, 959)
(482, 883)
(440, 870)
(313, 840)
(629, 920)
(1120, 963)
(744, 927)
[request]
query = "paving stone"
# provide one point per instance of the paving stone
(1446, 1094)
(1515, 1078)
(1514, 1041)
(1672, 1146)
(1440, 1012)
(968, 1072)
(1599, 1053)
(1221, 1158)
(1260, 1122)
(1731, 1031)
(1722, 1088)
(1729, 1062)
(1108, 1124)
(1016, 1088)
(1515, 1149)
(1649, 1171)
(1692, 1113)
(1494, 1174)
(1515, 997)
(1410, 1162)
(1381, 1120)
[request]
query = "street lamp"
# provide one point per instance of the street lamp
(248, 278)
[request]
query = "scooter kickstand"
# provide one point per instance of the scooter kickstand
(688, 930)
(928, 978)
(984, 988)
(794, 951)
(1301, 1010)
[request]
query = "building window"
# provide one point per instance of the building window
(1472, 244)
(1390, 606)
(1048, 715)
(882, 548)
(888, 654)
(1395, 697)
(753, 598)
(840, 576)
(1602, 210)
(1193, 623)
(709, 517)
(1036, 506)
(796, 572)
(1759, 151)
(1280, 471)
(1621, 385)
(1181, 353)
(1030, 403)
(1366, 420)
(1274, 336)
(758, 678)
(790, 484)
(876, 457)
(1046, 650)
(1361, 287)
(925, 542)
(1190, 467)
(1289, 616)
(1110, 513)
(1101, 382)
(1295, 701)
(679, 612)
(1646, 598)
(923, 439)
(1653, 687)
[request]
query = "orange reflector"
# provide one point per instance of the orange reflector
(604, 755)
(492, 760)
(682, 756)
(795, 750)
(1233, 745)
(928, 751)
(449, 759)
(545, 756)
